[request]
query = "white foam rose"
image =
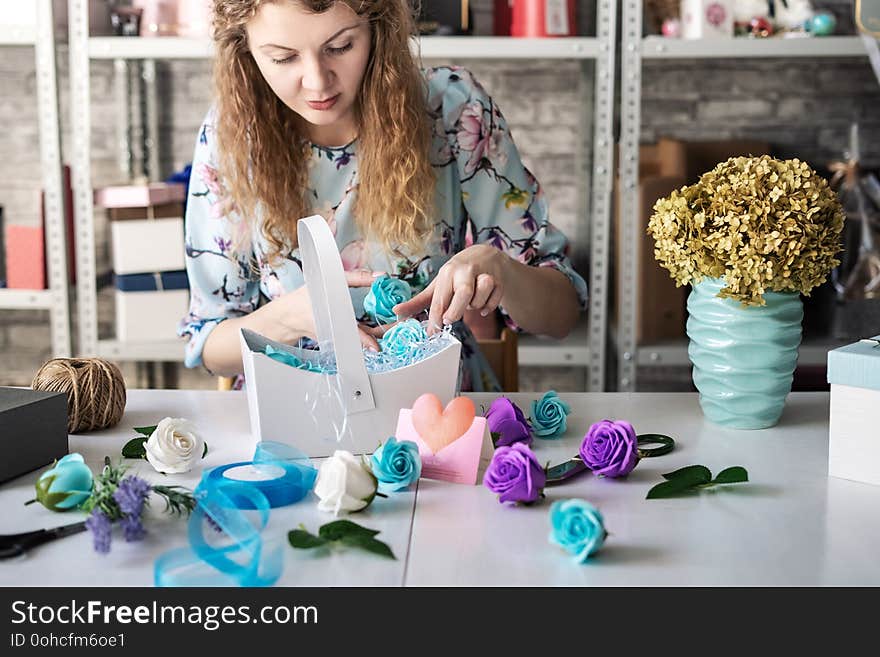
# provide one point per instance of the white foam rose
(174, 446)
(344, 484)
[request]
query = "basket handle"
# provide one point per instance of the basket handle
(334, 313)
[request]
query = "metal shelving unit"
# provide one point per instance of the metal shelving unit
(55, 299)
(634, 48)
(586, 345)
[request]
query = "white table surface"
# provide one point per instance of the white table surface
(790, 525)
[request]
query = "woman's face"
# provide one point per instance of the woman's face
(314, 63)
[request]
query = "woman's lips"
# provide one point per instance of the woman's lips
(323, 104)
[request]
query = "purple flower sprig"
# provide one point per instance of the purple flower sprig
(507, 423)
(515, 474)
(120, 499)
(610, 448)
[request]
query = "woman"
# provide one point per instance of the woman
(322, 109)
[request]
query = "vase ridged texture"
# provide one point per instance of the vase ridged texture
(743, 356)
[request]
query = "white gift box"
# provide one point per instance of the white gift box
(147, 245)
(150, 316)
(353, 410)
(706, 19)
(854, 439)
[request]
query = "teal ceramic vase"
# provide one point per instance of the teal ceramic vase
(743, 356)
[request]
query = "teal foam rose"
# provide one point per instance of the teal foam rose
(384, 294)
(396, 464)
(403, 340)
(549, 414)
(577, 527)
(65, 486)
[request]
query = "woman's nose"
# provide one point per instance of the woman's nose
(317, 76)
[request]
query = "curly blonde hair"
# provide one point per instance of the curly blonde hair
(255, 131)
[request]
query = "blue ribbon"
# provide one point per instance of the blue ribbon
(233, 503)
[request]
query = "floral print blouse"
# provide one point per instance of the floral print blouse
(484, 194)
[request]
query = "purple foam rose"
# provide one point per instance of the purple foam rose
(506, 419)
(515, 474)
(610, 448)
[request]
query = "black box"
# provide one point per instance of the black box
(33, 430)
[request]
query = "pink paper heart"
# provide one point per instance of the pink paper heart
(440, 427)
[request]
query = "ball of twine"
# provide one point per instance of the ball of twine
(95, 391)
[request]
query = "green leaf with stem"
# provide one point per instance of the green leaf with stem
(146, 431)
(299, 538)
(699, 474)
(134, 448)
(339, 529)
(369, 544)
(732, 475)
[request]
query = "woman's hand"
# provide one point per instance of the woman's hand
(473, 279)
(293, 310)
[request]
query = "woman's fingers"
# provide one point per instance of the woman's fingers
(493, 302)
(485, 287)
(417, 304)
(367, 340)
(361, 277)
(443, 291)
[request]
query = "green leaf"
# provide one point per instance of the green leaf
(146, 431)
(733, 475)
(134, 448)
(369, 544)
(670, 488)
(696, 474)
(205, 451)
(496, 435)
(340, 529)
(303, 539)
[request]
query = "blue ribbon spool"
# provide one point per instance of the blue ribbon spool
(236, 499)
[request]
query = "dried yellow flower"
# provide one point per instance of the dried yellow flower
(760, 223)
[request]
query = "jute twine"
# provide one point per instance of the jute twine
(95, 391)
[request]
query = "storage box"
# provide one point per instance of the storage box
(707, 19)
(25, 258)
(663, 167)
(157, 281)
(163, 237)
(33, 430)
(310, 409)
(854, 440)
(137, 196)
(150, 316)
(160, 211)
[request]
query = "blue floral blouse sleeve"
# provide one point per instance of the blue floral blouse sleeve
(504, 203)
(218, 252)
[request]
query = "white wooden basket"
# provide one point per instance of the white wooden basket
(310, 410)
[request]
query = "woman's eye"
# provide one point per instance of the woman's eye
(285, 60)
(340, 50)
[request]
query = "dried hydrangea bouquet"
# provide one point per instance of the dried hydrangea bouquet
(750, 237)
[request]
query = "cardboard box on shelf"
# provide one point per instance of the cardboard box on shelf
(663, 167)
(25, 257)
(138, 196)
(151, 315)
(160, 211)
(164, 238)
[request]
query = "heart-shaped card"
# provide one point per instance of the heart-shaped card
(452, 441)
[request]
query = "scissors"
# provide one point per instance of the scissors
(14, 545)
